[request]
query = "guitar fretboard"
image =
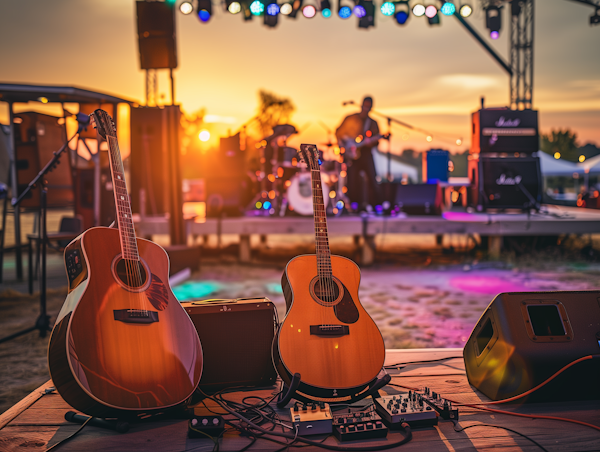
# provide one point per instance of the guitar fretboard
(126, 230)
(321, 235)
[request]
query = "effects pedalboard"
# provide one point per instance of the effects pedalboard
(417, 408)
(312, 418)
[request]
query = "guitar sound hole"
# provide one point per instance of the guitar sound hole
(326, 291)
(131, 273)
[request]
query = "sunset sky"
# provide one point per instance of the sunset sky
(430, 77)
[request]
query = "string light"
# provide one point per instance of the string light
(186, 8)
(234, 7)
(345, 12)
(466, 10)
(448, 9)
(257, 7)
(309, 11)
(431, 11)
(359, 11)
(388, 9)
(418, 10)
(285, 9)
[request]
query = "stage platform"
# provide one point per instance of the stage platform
(555, 220)
(37, 422)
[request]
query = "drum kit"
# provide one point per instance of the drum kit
(285, 182)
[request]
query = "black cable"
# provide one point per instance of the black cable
(393, 366)
(69, 437)
(502, 428)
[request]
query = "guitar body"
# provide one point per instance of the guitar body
(118, 350)
(332, 366)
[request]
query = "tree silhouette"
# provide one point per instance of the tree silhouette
(563, 142)
(272, 110)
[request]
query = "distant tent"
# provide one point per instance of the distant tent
(591, 165)
(559, 167)
(398, 169)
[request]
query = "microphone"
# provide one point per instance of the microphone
(348, 102)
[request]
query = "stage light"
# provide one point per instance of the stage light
(267, 205)
(557, 155)
(204, 10)
(285, 9)
(466, 10)
(273, 9)
(344, 12)
(257, 7)
(388, 9)
(430, 11)
(401, 17)
(309, 11)
(234, 7)
(43, 100)
(258, 204)
(418, 10)
(448, 9)
(325, 8)
(186, 8)
(493, 21)
(204, 135)
(296, 6)
(359, 11)
(582, 158)
(368, 19)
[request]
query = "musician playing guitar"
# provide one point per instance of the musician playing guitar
(356, 129)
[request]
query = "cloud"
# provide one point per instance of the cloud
(472, 81)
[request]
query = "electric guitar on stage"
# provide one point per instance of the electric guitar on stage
(122, 344)
(351, 146)
(327, 336)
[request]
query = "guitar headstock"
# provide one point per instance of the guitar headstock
(104, 124)
(309, 154)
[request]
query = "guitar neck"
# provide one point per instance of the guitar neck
(320, 219)
(123, 207)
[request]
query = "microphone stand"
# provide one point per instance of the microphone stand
(42, 324)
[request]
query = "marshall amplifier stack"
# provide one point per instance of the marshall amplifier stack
(503, 165)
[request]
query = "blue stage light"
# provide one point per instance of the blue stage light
(273, 9)
(204, 15)
(359, 11)
(448, 9)
(326, 13)
(388, 9)
(267, 205)
(345, 12)
(401, 17)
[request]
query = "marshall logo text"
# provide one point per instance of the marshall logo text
(503, 180)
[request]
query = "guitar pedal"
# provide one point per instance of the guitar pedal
(205, 426)
(312, 418)
(365, 424)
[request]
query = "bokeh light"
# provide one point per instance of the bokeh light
(273, 9)
(418, 10)
(204, 135)
(309, 11)
(257, 7)
(234, 7)
(448, 9)
(430, 11)
(466, 10)
(388, 9)
(286, 9)
(186, 8)
(345, 12)
(326, 13)
(359, 11)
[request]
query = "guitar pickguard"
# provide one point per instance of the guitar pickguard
(346, 310)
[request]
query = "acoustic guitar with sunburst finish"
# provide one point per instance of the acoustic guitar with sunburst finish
(122, 344)
(327, 336)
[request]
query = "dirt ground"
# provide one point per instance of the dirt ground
(420, 298)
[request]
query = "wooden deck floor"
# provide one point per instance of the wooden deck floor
(37, 422)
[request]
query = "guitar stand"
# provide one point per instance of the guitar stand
(119, 426)
(289, 393)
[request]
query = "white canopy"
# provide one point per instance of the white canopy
(398, 169)
(558, 167)
(592, 165)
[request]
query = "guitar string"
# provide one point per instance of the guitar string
(132, 266)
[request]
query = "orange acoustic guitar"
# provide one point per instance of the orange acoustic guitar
(122, 344)
(327, 336)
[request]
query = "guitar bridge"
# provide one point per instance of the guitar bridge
(329, 330)
(135, 316)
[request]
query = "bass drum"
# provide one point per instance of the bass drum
(299, 194)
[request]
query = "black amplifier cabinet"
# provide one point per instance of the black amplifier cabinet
(523, 338)
(236, 337)
(419, 199)
(504, 183)
(501, 130)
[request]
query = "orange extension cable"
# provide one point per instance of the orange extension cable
(531, 416)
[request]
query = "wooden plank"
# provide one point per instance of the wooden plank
(31, 439)
(25, 403)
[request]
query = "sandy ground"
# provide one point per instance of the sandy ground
(416, 302)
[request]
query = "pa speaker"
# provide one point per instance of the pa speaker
(156, 35)
(523, 338)
(236, 337)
